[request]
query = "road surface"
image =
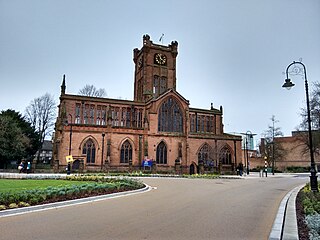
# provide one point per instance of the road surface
(175, 209)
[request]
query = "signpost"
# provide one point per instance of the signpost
(69, 160)
(147, 163)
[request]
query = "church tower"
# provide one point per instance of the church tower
(155, 69)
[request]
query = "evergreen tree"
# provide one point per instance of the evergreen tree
(17, 138)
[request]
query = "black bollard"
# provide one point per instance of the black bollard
(68, 169)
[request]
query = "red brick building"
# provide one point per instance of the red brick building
(158, 130)
(295, 153)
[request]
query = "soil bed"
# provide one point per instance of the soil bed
(303, 229)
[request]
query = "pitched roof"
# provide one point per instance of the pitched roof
(47, 145)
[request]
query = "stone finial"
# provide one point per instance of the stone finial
(63, 86)
(174, 48)
(135, 54)
(146, 39)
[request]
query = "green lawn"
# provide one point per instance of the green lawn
(16, 185)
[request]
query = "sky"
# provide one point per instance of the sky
(231, 53)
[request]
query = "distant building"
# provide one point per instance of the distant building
(45, 152)
(296, 153)
(157, 131)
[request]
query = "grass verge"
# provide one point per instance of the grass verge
(17, 185)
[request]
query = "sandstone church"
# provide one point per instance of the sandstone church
(158, 131)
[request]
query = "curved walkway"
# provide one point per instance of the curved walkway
(285, 225)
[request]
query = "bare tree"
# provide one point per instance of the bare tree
(273, 149)
(92, 91)
(41, 113)
(315, 121)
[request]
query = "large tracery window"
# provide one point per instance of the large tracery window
(126, 152)
(225, 156)
(170, 117)
(161, 153)
(204, 156)
(89, 150)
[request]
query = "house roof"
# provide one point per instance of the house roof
(47, 145)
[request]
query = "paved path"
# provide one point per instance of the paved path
(176, 209)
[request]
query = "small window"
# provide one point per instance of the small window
(77, 120)
(89, 150)
(126, 152)
(161, 153)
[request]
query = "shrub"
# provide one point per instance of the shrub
(13, 198)
(23, 204)
(311, 200)
(313, 222)
(13, 205)
(295, 169)
(34, 200)
(3, 207)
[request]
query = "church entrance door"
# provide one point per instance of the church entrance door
(193, 168)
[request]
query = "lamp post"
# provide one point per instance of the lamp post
(298, 68)
(103, 134)
(250, 135)
(70, 140)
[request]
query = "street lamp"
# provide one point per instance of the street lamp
(103, 134)
(298, 68)
(250, 135)
(70, 140)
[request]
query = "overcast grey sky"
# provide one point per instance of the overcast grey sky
(231, 52)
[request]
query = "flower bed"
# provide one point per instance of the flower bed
(308, 213)
(91, 186)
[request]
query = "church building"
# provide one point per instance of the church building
(158, 131)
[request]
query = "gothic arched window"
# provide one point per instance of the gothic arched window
(225, 156)
(204, 156)
(159, 85)
(126, 152)
(170, 117)
(89, 150)
(161, 153)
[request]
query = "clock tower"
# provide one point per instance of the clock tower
(155, 69)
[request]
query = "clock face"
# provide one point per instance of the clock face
(160, 59)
